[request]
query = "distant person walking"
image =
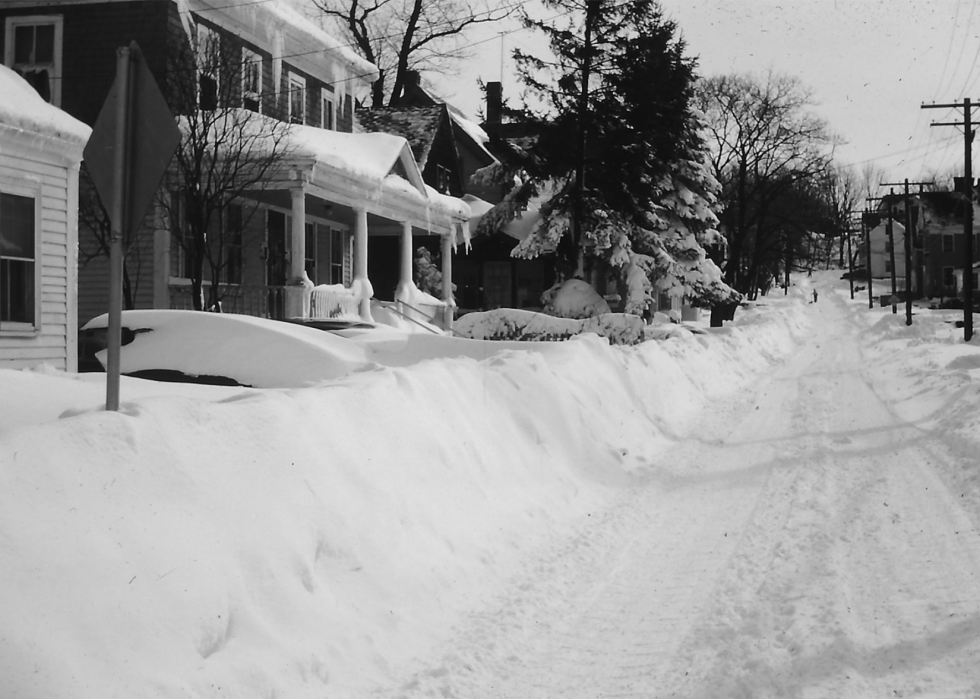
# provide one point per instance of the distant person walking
(814, 295)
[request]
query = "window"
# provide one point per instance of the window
(947, 242)
(949, 278)
(17, 256)
(309, 260)
(888, 266)
(232, 272)
(251, 80)
(336, 256)
(328, 118)
(33, 49)
(297, 99)
(181, 245)
(208, 67)
(443, 176)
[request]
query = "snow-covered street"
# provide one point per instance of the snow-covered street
(802, 544)
(785, 507)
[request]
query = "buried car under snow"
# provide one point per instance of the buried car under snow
(224, 348)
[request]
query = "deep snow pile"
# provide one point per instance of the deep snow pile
(233, 542)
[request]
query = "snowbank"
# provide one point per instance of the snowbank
(236, 542)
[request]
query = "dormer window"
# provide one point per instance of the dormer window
(251, 80)
(33, 49)
(297, 99)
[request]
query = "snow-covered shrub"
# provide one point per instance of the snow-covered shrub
(527, 326)
(573, 298)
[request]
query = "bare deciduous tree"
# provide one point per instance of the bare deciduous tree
(400, 36)
(227, 154)
(766, 146)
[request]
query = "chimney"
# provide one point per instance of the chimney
(412, 78)
(495, 102)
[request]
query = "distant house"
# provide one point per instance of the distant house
(888, 244)
(450, 149)
(938, 239)
(306, 250)
(40, 152)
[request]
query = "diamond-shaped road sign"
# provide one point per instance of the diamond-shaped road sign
(153, 137)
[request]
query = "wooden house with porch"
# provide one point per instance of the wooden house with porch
(297, 246)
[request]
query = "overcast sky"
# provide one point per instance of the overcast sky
(870, 64)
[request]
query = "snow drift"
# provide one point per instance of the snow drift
(300, 542)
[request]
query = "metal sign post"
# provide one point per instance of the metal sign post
(117, 214)
(131, 146)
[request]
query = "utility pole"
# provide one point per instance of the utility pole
(891, 254)
(907, 246)
(592, 9)
(867, 241)
(967, 106)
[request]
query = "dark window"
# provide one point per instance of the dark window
(309, 261)
(35, 56)
(336, 256)
(16, 259)
(297, 99)
(947, 242)
(949, 278)
(251, 81)
(208, 66)
(233, 245)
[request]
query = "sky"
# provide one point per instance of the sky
(785, 506)
(870, 64)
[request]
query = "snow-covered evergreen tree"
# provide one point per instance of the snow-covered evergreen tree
(646, 207)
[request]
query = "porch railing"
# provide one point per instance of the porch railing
(333, 302)
(259, 301)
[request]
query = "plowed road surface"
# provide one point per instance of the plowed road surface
(802, 545)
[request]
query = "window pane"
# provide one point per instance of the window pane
(16, 226)
(44, 44)
(23, 44)
(16, 291)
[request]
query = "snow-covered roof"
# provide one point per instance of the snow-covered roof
(22, 108)
(367, 155)
(265, 21)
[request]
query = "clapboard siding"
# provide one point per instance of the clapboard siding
(46, 174)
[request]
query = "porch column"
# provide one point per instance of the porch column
(405, 280)
(361, 283)
(447, 279)
(297, 287)
(161, 261)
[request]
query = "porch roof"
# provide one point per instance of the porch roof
(374, 171)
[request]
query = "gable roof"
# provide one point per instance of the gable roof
(417, 125)
(373, 156)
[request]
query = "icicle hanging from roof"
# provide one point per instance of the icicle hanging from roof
(184, 11)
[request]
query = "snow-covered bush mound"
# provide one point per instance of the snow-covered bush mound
(519, 325)
(574, 298)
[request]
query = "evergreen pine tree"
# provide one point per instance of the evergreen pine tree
(646, 206)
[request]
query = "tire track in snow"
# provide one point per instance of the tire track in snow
(602, 613)
(847, 573)
(760, 560)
